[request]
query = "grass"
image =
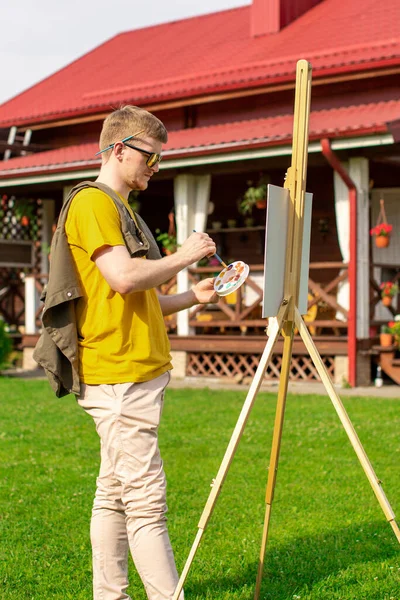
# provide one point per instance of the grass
(328, 538)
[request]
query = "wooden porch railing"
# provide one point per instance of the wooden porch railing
(230, 335)
(239, 313)
(12, 297)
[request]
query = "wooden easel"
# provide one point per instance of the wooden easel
(286, 320)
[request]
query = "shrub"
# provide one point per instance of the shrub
(5, 343)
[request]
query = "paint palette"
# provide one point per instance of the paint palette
(231, 278)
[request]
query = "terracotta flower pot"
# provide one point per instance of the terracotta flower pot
(385, 339)
(387, 301)
(382, 241)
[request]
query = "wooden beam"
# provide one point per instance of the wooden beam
(240, 344)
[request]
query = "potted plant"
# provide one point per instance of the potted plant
(385, 336)
(249, 222)
(389, 289)
(394, 328)
(167, 242)
(255, 195)
(382, 234)
(24, 211)
(216, 225)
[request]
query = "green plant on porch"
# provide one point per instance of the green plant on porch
(24, 210)
(394, 329)
(5, 343)
(167, 241)
(255, 195)
(385, 336)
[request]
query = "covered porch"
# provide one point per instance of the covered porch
(226, 340)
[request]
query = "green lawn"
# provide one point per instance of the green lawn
(328, 539)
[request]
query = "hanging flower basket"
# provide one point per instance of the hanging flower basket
(382, 230)
(382, 235)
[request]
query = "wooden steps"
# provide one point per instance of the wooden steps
(389, 364)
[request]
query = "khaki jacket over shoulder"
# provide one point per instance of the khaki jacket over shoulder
(57, 348)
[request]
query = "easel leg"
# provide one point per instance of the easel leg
(276, 444)
(273, 328)
(344, 418)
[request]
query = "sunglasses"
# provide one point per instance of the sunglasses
(153, 157)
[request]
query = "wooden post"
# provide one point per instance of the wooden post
(31, 304)
(184, 191)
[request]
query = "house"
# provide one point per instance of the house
(223, 84)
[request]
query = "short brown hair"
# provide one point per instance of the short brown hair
(129, 120)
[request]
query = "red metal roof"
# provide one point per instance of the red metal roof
(350, 121)
(212, 53)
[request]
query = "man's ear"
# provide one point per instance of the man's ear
(118, 150)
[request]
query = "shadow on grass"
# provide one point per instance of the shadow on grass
(302, 564)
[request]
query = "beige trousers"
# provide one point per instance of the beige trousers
(130, 502)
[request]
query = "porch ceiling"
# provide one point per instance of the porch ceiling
(271, 133)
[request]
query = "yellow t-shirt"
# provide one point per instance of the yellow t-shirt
(121, 337)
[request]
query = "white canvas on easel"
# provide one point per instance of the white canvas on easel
(276, 238)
